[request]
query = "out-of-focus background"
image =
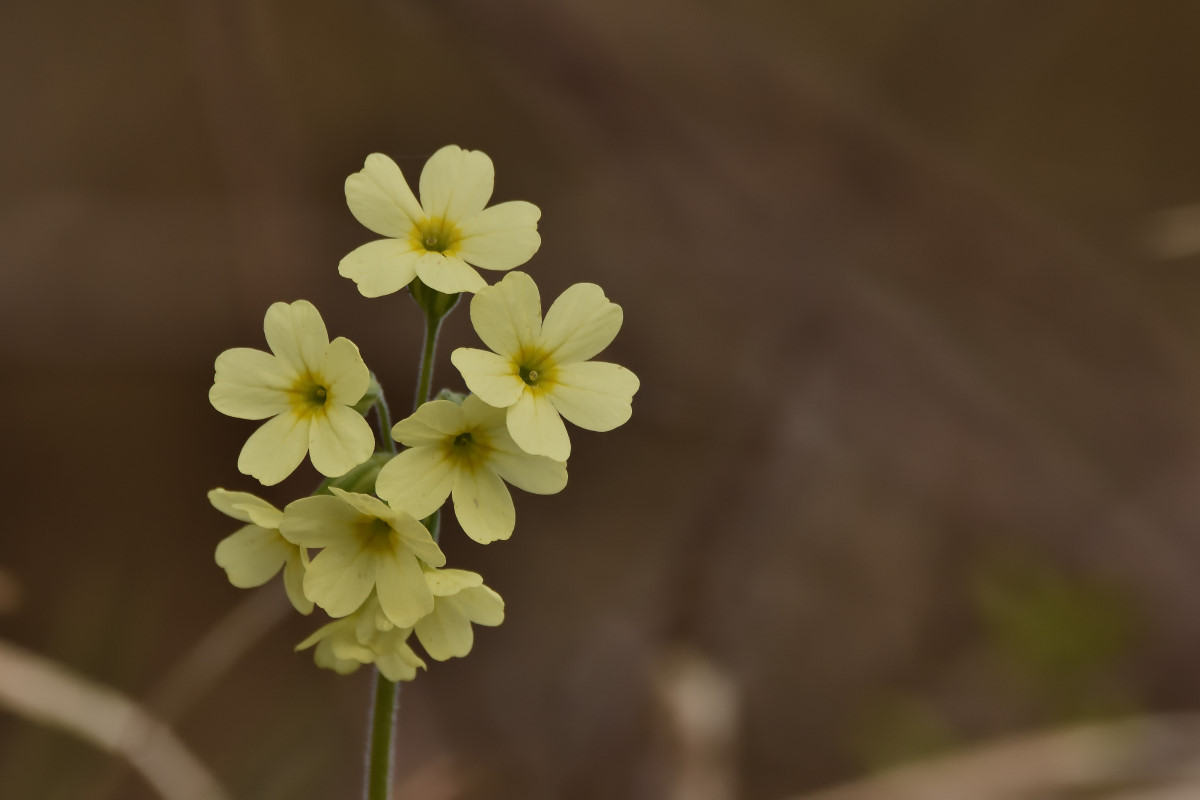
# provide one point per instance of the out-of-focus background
(913, 291)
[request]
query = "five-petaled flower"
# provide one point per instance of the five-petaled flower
(308, 385)
(460, 598)
(367, 545)
(540, 369)
(254, 553)
(438, 238)
(465, 451)
(365, 637)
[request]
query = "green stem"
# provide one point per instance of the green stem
(387, 693)
(383, 722)
(432, 326)
(433, 524)
(383, 416)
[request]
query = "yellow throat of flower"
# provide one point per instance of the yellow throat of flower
(469, 449)
(436, 235)
(536, 369)
(376, 534)
(309, 395)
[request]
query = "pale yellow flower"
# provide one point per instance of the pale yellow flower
(438, 238)
(465, 451)
(367, 545)
(540, 369)
(307, 385)
(365, 637)
(460, 599)
(255, 553)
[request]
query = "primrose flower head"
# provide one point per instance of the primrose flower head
(460, 599)
(465, 451)
(440, 237)
(255, 553)
(307, 385)
(367, 546)
(539, 368)
(365, 637)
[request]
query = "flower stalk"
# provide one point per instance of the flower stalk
(379, 746)
(383, 417)
(387, 693)
(363, 547)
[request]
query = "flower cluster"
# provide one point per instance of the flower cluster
(364, 546)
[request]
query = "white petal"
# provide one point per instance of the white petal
(380, 199)
(456, 183)
(416, 538)
(536, 474)
(445, 633)
(261, 512)
(381, 267)
(325, 658)
(403, 593)
(252, 556)
(339, 439)
(275, 450)
(494, 378)
(296, 334)
(418, 480)
(537, 429)
(340, 577)
(594, 394)
(251, 384)
(483, 505)
(501, 237)
(293, 582)
(481, 605)
(443, 582)
(245, 507)
(580, 324)
(478, 414)
(320, 521)
(395, 659)
(433, 423)
(370, 620)
(448, 274)
(366, 505)
(508, 315)
(343, 373)
(345, 645)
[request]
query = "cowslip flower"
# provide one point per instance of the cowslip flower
(439, 238)
(365, 637)
(465, 451)
(308, 385)
(539, 368)
(460, 599)
(255, 553)
(367, 545)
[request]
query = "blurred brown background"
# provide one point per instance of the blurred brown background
(911, 286)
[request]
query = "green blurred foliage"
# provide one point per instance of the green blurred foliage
(900, 728)
(1063, 636)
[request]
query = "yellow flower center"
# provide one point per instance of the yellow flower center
(470, 449)
(309, 395)
(377, 534)
(536, 372)
(436, 235)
